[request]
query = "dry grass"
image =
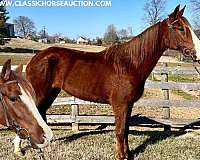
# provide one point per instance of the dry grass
(24, 43)
(100, 145)
(15, 59)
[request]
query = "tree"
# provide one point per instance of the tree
(195, 6)
(99, 41)
(130, 31)
(43, 33)
(123, 34)
(3, 18)
(153, 11)
(197, 32)
(111, 37)
(24, 26)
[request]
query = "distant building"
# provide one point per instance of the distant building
(11, 30)
(82, 40)
(62, 42)
(43, 40)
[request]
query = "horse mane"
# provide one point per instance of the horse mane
(186, 21)
(129, 55)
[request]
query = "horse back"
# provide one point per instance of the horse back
(81, 74)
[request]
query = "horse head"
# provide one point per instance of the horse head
(18, 110)
(180, 36)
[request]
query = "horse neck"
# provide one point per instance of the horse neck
(2, 121)
(2, 116)
(147, 48)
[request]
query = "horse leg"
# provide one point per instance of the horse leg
(126, 146)
(44, 104)
(17, 146)
(121, 113)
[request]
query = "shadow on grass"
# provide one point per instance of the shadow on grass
(18, 50)
(154, 137)
(76, 136)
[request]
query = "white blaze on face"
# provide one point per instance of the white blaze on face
(196, 42)
(29, 102)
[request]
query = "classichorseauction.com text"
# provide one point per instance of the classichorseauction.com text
(56, 3)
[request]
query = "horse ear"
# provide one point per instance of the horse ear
(181, 11)
(19, 69)
(6, 70)
(175, 13)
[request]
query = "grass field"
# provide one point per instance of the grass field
(15, 58)
(100, 145)
(24, 43)
(145, 143)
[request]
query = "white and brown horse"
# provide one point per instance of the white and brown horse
(116, 75)
(18, 110)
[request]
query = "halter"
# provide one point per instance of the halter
(12, 124)
(170, 26)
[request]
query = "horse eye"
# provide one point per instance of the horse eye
(181, 29)
(12, 98)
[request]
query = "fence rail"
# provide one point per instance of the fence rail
(165, 103)
(140, 103)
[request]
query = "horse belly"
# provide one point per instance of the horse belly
(88, 82)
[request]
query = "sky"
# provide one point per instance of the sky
(91, 21)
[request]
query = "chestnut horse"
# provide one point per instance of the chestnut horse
(18, 110)
(115, 76)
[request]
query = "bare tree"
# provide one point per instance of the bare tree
(125, 34)
(195, 6)
(24, 26)
(153, 11)
(111, 37)
(43, 33)
(195, 9)
(130, 31)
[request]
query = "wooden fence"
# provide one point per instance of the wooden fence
(165, 103)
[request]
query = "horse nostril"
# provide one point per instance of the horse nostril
(44, 139)
(44, 136)
(43, 142)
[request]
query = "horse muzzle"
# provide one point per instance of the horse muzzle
(44, 142)
(187, 52)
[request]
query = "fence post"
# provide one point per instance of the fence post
(74, 114)
(166, 109)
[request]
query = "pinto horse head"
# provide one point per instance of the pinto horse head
(18, 110)
(180, 35)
